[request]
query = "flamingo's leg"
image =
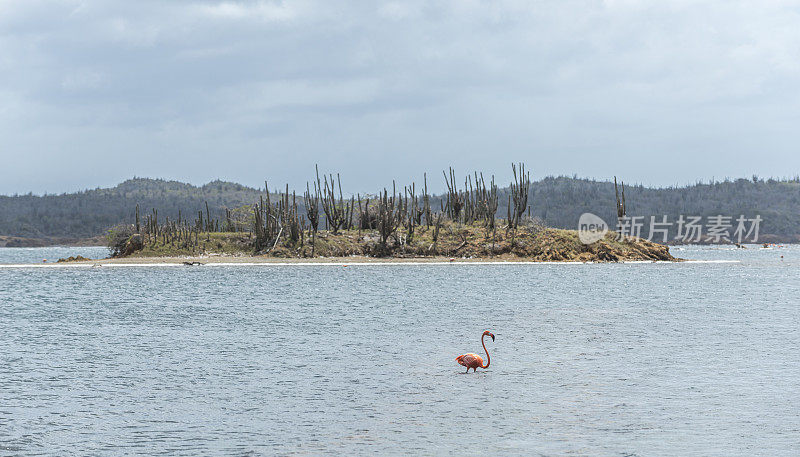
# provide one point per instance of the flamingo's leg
(467, 369)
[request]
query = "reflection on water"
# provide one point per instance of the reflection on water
(643, 359)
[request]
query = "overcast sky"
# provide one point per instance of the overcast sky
(662, 92)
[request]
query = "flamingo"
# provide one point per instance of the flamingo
(474, 360)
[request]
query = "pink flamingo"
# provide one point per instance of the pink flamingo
(474, 361)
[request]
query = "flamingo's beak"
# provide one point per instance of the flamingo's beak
(492, 334)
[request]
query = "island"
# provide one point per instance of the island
(453, 243)
(323, 224)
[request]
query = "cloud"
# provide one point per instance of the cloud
(660, 92)
(260, 10)
(81, 80)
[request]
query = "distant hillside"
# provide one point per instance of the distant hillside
(561, 201)
(91, 212)
(558, 201)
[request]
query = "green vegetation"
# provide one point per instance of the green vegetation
(229, 243)
(530, 242)
(555, 201)
(397, 224)
(91, 212)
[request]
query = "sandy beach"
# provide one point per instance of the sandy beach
(222, 260)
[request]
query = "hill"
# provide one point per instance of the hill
(92, 212)
(557, 201)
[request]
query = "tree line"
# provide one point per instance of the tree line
(554, 201)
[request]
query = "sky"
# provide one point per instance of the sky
(660, 93)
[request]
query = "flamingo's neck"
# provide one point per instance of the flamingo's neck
(488, 359)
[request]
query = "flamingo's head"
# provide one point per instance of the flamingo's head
(489, 333)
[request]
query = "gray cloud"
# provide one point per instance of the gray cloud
(95, 92)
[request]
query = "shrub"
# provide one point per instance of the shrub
(117, 238)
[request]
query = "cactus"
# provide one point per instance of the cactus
(138, 229)
(312, 212)
(455, 200)
(519, 193)
(620, 203)
(336, 210)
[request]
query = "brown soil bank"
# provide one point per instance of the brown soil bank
(454, 240)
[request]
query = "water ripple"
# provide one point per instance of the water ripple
(669, 359)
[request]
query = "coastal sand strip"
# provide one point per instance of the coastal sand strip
(336, 264)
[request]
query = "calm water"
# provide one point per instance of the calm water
(51, 254)
(628, 359)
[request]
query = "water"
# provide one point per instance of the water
(612, 359)
(51, 254)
